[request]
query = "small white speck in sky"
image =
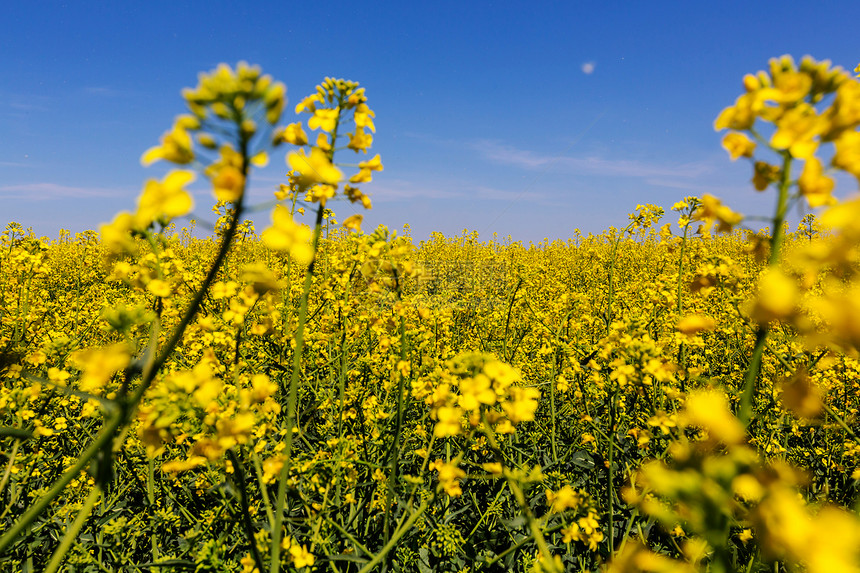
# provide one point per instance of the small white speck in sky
(588, 67)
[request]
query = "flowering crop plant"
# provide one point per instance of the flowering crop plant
(317, 397)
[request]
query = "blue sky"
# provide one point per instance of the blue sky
(522, 119)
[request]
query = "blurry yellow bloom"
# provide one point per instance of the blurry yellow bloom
(353, 222)
(301, 557)
(309, 103)
(374, 164)
(324, 119)
(695, 323)
(261, 159)
(522, 405)
(475, 391)
(287, 235)
(801, 396)
(777, 296)
(98, 365)
(116, 235)
(764, 174)
(354, 194)
(360, 141)
(790, 86)
(797, 129)
(748, 488)
(263, 387)
(323, 143)
(314, 168)
(844, 114)
(636, 558)
(745, 535)
(847, 154)
(235, 430)
(321, 193)
(709, 409)
(783, 525)
(159, 288)
(738, 145)
(175, 147)
(295, 135)
(814, 185)
(712, 209)
(177, 466)
(449, 477)
(57, 375)
(260, 278)
(563, 499)
(742, 115)
(363, 115)
(363, 176)
(448, 421)
(166, 199)
(494, 468)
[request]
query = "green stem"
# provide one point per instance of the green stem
(292, 399)
(17, 530)
(239, 473)
(610, 468)
(73, 530)
(745, 409)
(150, 495)
(127, 406)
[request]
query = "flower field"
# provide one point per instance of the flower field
(659, 397)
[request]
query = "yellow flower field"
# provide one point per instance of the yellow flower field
(658, 397)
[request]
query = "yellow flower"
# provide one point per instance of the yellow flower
(355, 194)
(742, 115)
(353, 222)
(563, 499)
(709, 409)
(159, 288)
(374, 164)
(797, 129)
(448, 421)
(522, 405)
(165, 199)
(363, 176)
(309, 103)
(363, 115)
(764, 174)
(324, 119)
(176, 466)
(360, 141)
(847, 156)
(712, 209)
(449, 477)
(695, 323)
(295, 135)
(301, 556)
(777, 296)
(475, 391)
(175, 147)
(314, 168)
(738, 145)
(228, 184)
(814, 185)
(287, 235)
(116, 235)
(801, 396)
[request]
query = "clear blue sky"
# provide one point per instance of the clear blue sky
(486, 117)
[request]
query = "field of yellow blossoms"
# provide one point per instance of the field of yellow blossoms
(659, 397)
